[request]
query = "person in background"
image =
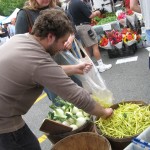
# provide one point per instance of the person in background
(114, 1)
(135, 6)
(6, 29)
(12, 27)
(26, 66)
(4, 33)
(0, 28)
(142, 6)
(89, 3)
(127, 4)
(0, 33)
(27, 15)
(24, 23)
(82, 16)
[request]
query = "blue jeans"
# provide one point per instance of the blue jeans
(52, 95)
(75, 49)
(62, 61)
(22, 139)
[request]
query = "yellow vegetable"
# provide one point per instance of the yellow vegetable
(103, 102)
(127, 120)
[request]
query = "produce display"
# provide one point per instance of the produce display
(109, 17)
(117, 38)
(122, 15)
(67, 114)
(114, 37)
(104, 41)
(127, 120)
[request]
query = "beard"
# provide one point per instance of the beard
(52, 49)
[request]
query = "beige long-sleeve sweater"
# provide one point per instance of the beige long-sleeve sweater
(25, 68)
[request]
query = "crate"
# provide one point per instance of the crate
(145, 137)
(124, 51)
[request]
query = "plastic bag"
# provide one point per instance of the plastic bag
(91, 81)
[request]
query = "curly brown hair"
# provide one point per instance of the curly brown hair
(52, 21)
(32, 4)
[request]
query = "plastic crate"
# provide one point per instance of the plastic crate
(141, 141)
(124, 51)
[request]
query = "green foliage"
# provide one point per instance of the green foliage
(8, 6)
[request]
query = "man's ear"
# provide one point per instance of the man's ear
(50, 38)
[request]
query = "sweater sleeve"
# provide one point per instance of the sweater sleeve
(52, 76)
(21, 23)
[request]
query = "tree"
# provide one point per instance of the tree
(8, 6)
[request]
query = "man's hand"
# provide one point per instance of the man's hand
(82, 68)
(95, 13)
(77, 69)
(101, 112)
(108, 113)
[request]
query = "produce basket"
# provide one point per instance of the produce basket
(83, 141)
(65, 119)
(87, 127)
(119, 143)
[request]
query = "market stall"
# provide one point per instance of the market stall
(7, 20)
(127, 25)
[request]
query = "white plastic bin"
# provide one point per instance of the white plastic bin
(145, 137)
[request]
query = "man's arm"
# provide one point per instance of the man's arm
(76, 69)
(134, 5)
(54, 78)
(95, 13)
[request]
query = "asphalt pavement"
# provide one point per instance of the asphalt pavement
(127, 81)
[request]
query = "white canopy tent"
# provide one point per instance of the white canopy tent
(104, 4)
(2, 18)
(13, 15)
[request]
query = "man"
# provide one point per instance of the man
(82, 16)
(27, 66)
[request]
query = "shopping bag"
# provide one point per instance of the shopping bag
(92, 81)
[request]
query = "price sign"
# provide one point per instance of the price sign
(106, 27)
